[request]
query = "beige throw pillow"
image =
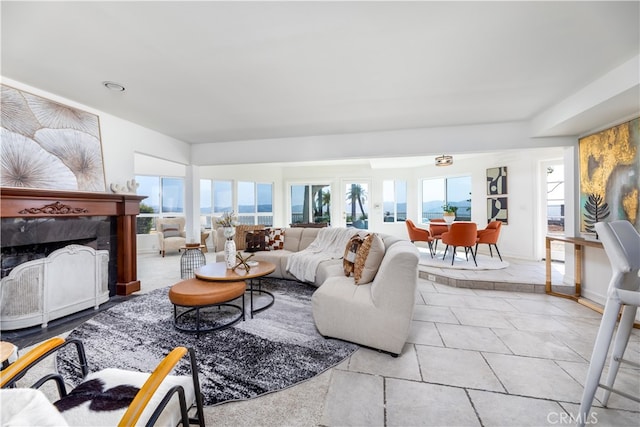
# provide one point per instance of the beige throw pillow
(368, 259)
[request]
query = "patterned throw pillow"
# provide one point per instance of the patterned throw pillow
(368, 259)
(276, 239)
(241, 231)
(170, 230)
(256, 241)
(350, 252)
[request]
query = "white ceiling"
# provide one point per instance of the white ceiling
(206, 72)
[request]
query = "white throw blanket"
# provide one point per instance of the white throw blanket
(329, 244)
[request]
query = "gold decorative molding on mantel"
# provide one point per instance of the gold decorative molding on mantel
(56, 208)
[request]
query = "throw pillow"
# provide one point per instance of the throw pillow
(256, 241)
(368, 259)
(241, 231)
(350, 252)
(276, 239)
(170, 230)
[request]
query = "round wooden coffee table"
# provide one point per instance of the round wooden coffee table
(218, 272)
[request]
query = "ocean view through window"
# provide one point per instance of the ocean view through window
(454, 191)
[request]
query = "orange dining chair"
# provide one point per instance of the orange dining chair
(463, 234)
(437, 226)
(490, 236)
(419, 235)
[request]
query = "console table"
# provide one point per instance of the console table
(578, 243)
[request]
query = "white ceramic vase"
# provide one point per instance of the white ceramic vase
(229, 232)
(449, 218)
(230, 253)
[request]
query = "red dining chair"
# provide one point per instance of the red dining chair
(419, 235)
(490, 236)
(463, 234)
(437, 226)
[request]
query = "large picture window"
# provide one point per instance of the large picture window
(455, 191)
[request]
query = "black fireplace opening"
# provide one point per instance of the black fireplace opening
(27, 239)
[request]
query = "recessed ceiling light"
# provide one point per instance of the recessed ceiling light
(114, 86)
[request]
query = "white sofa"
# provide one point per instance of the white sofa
(376, 314)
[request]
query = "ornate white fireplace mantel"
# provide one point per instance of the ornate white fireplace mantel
(68, 280)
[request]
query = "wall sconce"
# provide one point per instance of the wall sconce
(444, 160)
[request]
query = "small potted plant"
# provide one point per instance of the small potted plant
(449, 214)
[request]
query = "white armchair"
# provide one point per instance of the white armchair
(171, 234)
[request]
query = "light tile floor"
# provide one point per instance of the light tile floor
(473, 358)
(519, 361)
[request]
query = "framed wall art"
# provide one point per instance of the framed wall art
(610, 176)
(49, 145)
(497, 209)
(497, 181)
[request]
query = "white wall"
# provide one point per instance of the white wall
(148, 165)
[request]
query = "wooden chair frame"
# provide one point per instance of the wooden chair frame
(18, 369)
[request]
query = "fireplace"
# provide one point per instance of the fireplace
(36, 222)
(28, 239)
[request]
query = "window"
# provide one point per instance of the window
(165, 197)
(357, 204)
(310, 203)
(394, 200)
(459, 194)
(172, 195)
(150, 187)
(254, 201)
(432, 198)
(206, 205)
(222, 197)
(555, 199)
(215, 199)
(451, 191)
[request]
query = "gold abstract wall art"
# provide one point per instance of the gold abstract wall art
(48, 145)
(610, 176)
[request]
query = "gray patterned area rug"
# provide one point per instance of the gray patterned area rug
(278, 348)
